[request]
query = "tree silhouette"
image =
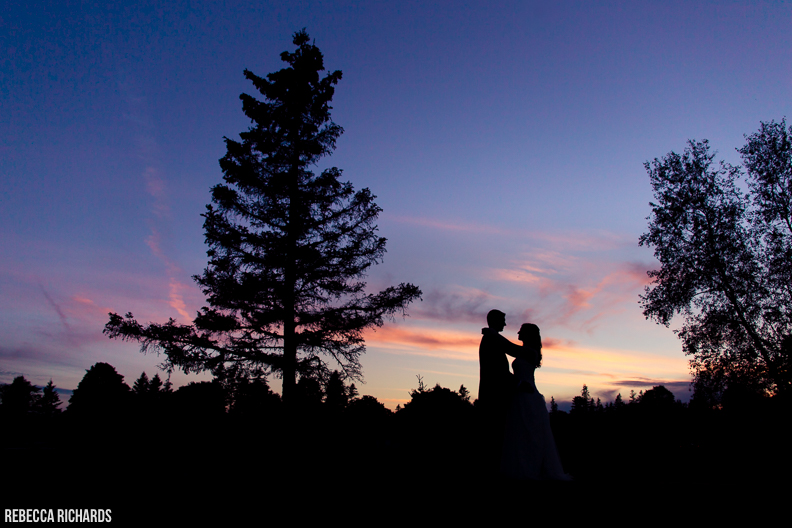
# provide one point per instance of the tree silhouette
(50, 400)
(201, 400)
(253, 398)
(367, 408)
(658, 398)
(584, 403)
(155, 385)
(437, 404)
(19, 397)
(287, 248)
(337, 395)
(141, 385)
(101, 393)
(726, 259)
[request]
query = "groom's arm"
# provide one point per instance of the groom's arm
(510, 348)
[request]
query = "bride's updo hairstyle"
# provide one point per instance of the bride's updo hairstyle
(529, 335)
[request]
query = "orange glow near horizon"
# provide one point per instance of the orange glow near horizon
(565, 364)
(437, 343)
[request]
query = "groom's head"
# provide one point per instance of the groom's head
(496, 320)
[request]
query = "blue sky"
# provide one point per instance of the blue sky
(505, 142)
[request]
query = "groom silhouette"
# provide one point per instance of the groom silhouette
(497, 385)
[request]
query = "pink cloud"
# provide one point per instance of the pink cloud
(176, 300)
(549, 342)
(517, 275)
(431, 339)
(80, 307)
(563, 299)
(436, 342)
(449, 226)
(155, 186)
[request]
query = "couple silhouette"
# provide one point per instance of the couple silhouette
(520, 442)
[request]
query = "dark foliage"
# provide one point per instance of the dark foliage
(367, 408)
(19, 397)
(584, 403)
(337, 394)
(141, 385)
(427, 454)
(726, 261)
(437, 403)
(254, 399)
(287, 248)
(658, 399)
(101, 394)
(437, 427)
(203, 399)
(50, 402)
(29, 416)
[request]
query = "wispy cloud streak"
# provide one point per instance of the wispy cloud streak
(160, 208)
(577, 297)
(575, 240)
(444, 225)
(434, 343)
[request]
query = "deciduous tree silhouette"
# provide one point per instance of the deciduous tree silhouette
(726, 259)
(658, 398)
(101, 393)
(287, 248)
(367, 408)
(437, 404)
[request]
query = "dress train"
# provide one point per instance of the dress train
(529, 450)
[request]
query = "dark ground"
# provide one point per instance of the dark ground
(659, 467)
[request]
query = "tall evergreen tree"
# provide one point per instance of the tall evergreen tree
(336, 394)
(50, 400)
(288, 248)
(141, 386)
(583, 403)
(155, 385)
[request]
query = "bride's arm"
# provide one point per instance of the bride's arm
(513, 349)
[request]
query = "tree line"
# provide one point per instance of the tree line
(437, 428)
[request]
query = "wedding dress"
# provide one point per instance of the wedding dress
(529, 450)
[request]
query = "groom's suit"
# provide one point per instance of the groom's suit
(497, 387)
(497, 384)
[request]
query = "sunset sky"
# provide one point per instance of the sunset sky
(505, 142)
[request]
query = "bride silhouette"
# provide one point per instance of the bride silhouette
(529, 451)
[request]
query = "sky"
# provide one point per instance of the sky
(505, 142)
